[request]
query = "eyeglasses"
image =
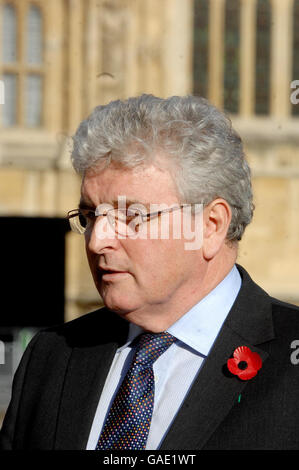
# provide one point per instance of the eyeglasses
(126, 222)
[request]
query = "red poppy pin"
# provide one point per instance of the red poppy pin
(245, 363)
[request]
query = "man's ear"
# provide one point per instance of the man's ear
(216, 220)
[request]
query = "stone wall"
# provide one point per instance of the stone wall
(100, 50)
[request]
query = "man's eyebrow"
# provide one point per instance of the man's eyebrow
(130, 202)
(84, 204)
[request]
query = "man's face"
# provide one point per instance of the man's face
(157, 275)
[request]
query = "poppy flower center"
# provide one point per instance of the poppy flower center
(242, 365)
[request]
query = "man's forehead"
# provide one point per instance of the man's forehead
(106, 186)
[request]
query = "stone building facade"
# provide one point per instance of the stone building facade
(60, 58)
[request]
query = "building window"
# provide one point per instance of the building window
(231, 56)
(263, 45)
(200, 47)
(34, 36)
(227, 16)
(9, 34)
(22, 65)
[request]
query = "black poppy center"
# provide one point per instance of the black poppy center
(242, 365)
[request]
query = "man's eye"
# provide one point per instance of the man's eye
(85, 217)
(90, 215)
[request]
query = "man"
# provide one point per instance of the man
(188, 352)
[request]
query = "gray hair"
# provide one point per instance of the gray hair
(205, 154)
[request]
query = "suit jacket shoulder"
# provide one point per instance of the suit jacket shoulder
(70, 358)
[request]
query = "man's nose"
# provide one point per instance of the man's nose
(101, 235)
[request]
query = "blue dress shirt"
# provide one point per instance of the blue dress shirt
(176, 369)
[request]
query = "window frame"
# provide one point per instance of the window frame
(21, 68)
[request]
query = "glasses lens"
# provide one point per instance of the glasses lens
(78, 223)
(126, 222)
(82, 221)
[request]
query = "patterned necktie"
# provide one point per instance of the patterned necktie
(128, 422)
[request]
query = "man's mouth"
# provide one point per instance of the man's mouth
(110, 273)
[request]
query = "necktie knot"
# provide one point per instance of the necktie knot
(150, 346)
(128, 422)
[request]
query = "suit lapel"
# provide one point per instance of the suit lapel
(85, 377)
(215, 391)
(211, 397)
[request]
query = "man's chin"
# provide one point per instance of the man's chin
(137, 314)
(123, 307)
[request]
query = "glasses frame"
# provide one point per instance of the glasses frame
(145, 217)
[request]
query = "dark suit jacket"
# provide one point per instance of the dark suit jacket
(58, 383)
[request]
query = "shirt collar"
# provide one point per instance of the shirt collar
(199, 327)
(134, 331)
